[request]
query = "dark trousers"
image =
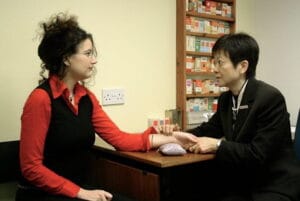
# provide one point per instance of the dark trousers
(37, 195)
(263, 196)
(212, 184)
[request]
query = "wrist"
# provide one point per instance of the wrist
(80, 193)
(171, 139)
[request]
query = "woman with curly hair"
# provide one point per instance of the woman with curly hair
(61, 116)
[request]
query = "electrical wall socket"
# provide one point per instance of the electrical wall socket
(114, 96)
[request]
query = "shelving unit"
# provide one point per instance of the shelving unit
(204, 22)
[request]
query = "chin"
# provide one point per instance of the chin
(220, 83)
(88, 75)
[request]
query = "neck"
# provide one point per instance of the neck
(238, 87)
(70, 84)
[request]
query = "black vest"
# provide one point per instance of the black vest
(70, 138)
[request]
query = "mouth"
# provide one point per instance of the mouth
(216, 82)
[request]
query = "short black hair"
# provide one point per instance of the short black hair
(239, 47)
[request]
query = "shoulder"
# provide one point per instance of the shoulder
(38, 97)
(90, 93)
(267, 92)
(267, 98)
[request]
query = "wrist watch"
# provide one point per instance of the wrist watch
(219, 143)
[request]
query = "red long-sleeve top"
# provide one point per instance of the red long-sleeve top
(35, 122)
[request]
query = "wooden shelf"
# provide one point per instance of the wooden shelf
(205, 35)
(226, 1)
(200, 73)
(206, 54)
(212, 95)
(208, 16)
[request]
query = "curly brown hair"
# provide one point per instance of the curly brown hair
(60, 38)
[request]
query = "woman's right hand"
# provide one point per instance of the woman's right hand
(94, 195)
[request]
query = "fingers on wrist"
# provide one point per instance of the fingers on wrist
(166, 129)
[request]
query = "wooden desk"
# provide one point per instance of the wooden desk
(148, 176)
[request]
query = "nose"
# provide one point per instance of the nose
(94, 60)
(214, 68)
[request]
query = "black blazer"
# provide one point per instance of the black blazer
(257, 155)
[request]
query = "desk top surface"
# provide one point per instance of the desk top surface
(155, 158)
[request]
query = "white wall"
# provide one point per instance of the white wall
(244, 18)
(275, 24)
(136, 45)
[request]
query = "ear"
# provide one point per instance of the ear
(244, 66)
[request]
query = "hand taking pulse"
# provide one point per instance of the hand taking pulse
(167, 129)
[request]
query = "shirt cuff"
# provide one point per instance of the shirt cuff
(70, 190)
(147, 132)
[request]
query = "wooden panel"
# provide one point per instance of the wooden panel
(150, 176)
(135, 183)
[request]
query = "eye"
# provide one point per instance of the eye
(88, 53)
(219, 62)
